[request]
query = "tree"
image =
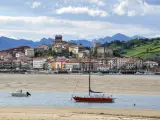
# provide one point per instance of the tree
(100, 55)
(38, 54)
(74, 56)
(156, 43)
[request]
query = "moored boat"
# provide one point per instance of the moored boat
(19, 93)
(94, 99)
(97, 99)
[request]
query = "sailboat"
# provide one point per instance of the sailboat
(90, 98)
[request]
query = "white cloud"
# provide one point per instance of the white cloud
(100, 3)
(97, 2)
(47, 27)
(36, 4)
(131, 13)
(57, 5)
(135, 7)
(156, 35)
(82, 10)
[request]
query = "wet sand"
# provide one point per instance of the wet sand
(48, 113)
(132, 84)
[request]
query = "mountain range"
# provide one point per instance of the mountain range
(6, 43)
(117, 36)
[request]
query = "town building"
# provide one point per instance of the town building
(81, 64)
(59, 64)
(17, 63)
(102, 51)
(25, 63)
(75, 49)
(104, 67)
(29, 52)
(5, 56)
(150, 64)
(19, 54)
(6, 64)
(83, 54)
(48, 65)
(59, 44)
(121, 63)
(138, 64)
(13, 51)
(72, 65)
(125, 63)
(38, 63)
(42, 48)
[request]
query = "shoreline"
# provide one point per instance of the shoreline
(59, 113)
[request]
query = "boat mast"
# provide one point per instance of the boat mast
(89, 71)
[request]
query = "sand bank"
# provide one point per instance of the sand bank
(131, 84)
(48, 113)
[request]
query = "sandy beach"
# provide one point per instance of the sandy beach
(48, 113)
(132, 84)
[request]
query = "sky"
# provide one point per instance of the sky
(78, 19)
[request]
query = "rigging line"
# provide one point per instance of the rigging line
(75, 88)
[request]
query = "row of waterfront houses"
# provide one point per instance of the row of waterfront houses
(102, 64)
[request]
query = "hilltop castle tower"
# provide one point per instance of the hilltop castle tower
(58, 38)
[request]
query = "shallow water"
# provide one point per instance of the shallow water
(63, 99)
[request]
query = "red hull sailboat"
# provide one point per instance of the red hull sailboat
(96, 99)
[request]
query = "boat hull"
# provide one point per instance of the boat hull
(94, 99)
(18, 94)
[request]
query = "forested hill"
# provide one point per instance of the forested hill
(140, 48)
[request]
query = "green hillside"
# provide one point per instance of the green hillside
(144, 51)
(142, 48)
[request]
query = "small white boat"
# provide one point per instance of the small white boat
(19, 93)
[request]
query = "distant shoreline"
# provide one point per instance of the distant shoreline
(156, 73)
